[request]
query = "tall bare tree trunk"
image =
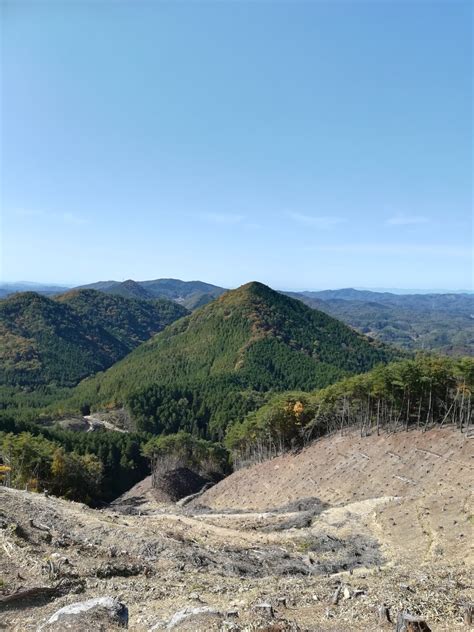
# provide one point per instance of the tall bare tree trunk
(461, 411)
(430, 401)
(407, 421)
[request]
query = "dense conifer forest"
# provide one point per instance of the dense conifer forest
(212, 366)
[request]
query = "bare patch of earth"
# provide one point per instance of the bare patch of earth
(279, 562)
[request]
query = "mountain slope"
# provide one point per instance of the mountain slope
(60, 341)
(130, 321)
(190, 294)
(346, 468)
(249, 339)
(130, 289)
(101, 286)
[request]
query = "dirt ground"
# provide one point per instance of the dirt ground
(380, 520)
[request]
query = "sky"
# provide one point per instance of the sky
(307, 145)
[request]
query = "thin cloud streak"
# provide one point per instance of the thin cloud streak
(321, 221)
(407, 220)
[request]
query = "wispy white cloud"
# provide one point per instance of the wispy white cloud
(66, 217)
(222, 218)
(318, 221)
(399, 250)
(71, 218)
(407, 220)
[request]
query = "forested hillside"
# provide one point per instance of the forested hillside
(131, 321)
(419, 392)
(59, 341)
(216, 364)
(87, 466)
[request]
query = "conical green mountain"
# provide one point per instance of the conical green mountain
(209, 368)
(130, 289)
(62, 340)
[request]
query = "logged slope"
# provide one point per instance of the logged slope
(342, 469)
(60, 341)
(252, 338)
(380, 538)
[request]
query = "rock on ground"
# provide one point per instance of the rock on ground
(92, 614)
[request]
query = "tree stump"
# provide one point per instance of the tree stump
(383, 614)
(468, 614)
(408, 623)
(337, 595)
(264, 609)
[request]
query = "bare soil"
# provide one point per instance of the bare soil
(388, 519)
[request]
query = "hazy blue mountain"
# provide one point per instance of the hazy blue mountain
(6, 289)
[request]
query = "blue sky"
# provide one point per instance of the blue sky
(304, 144)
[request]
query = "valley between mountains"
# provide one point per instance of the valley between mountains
(237, 461)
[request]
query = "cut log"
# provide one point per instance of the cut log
(41, 527)
(408, 623)
(404, 479)
(38, 592)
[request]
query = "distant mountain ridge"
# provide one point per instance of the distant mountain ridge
(6, 289)
(190, 294)
(438, 322)
(428, 321)
(422, 301)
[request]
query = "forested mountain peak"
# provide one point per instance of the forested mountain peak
(130, 289)
(251, 289)
(206, 368)
(287, 319)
